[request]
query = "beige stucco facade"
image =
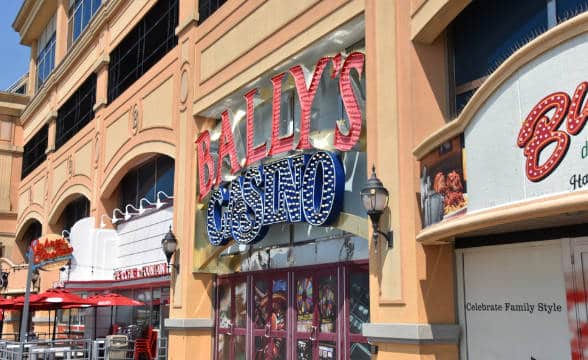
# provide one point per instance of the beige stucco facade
(411, 284)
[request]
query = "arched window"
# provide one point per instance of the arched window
(146, 180)
(74, 211)
(33, 232)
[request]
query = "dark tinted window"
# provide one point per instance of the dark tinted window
(74, 211)
(33, 232)
(486, 33)
(34, 152)
(152, 38)
(146, 181)
(570, 8)
(76, 112)
(208, 7)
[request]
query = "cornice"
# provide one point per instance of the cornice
(544, 42)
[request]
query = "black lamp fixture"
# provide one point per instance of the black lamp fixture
(169, 244)
(374, 198)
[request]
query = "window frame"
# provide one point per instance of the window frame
(81, 115)
(121, 78)
(455, 90)
(33, 156)
(74, 6)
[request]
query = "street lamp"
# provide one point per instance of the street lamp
(169, 244)
(374, 198)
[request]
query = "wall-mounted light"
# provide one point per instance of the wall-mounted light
(169, 245)
(142, 209)
(374, 198)
(160, 203)
(114, 219)
(128, 214)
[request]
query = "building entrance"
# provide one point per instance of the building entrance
(310, 313)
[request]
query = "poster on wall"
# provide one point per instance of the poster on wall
(443, 193)
(513, 302)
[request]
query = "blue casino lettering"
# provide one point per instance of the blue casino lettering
(302, 188)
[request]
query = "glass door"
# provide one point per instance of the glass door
(232, 319)
(317, 309)
(270, 316)
(312, 313)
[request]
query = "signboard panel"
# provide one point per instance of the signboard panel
(529, 139)
(513, 302)
(443, 192)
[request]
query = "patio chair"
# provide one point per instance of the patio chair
(146, 346)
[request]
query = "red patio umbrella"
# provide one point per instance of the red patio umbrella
(52, 299)
(112, 300)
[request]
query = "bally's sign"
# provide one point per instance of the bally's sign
(304, 187)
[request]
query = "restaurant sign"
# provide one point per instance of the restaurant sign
(51, 251)
(147, 271)
(305, 186)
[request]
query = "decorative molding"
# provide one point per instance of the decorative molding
(189, 324)
(404, 333)
(103, 60)
(100, 104)
(190, 20)
(541, 44)
(504, 217)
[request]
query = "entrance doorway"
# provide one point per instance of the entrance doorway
(310, 313)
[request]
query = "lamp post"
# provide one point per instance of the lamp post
(169, 245)
(374, 198)
(24, 323)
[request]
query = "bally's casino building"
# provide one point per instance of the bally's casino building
(335, 179)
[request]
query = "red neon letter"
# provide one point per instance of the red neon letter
(258, 152)
(346, 142)
(306, 97)
(538, 131)
(226, 147)
(285, 143)
(576, 120)
(204, 162)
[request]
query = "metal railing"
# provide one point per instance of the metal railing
(111, 348)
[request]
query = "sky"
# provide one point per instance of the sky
(13, 56)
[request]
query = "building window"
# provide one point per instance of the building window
(80, 14)
(314, 313)
(208, 7)
(34, 152)
(152, 38)
(477, 52)
(46, 53)
(33, 232)
(76, 112)
(74, 211)
(147, 180)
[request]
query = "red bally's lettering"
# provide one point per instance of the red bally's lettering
(279, 144)
(539, 130)
(205, 162)
(253, 153)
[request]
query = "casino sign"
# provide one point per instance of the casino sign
(306, 185)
